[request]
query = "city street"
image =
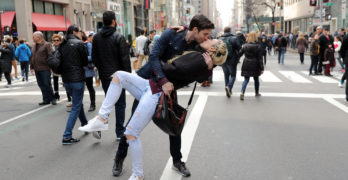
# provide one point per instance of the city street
(295, 131)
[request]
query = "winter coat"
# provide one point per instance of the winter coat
(89, 72)
(74, 57)
(6, 60)
(110, 52)
(281, 42)
(232, 58)
(314, 49)
(39, 55)
(23, 52)
(301, 45)
(324, 43)
(329, 57)
(252, 63)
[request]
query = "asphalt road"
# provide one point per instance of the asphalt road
(295, 131)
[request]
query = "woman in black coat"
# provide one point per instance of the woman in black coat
(6, 62)
(252, 64)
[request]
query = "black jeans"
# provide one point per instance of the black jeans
(314, 64)
(8, 78)
(120, 108)
(174, 141)
(89, 84)
(55, 83)
(320, 62)
(25, 69)
(301, 57)
(264, 58)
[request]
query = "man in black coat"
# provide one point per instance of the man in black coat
(344, 54)
(110, 53)
(324, 40)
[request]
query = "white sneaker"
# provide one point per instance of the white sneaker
(134, 177)
(94, 125)
(340, 84)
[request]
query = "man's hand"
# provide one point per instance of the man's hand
(168, 88)
(179, 28)
(208, 60)
(32, 72)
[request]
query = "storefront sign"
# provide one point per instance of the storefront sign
(112, 6)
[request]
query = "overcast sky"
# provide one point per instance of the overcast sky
(225, 8)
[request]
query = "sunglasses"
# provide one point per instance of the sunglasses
(55, 40)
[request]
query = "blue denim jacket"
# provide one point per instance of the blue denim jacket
(166, 47)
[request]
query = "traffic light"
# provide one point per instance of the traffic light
(312, 2)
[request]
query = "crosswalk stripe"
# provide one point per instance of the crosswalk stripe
(323, 79)
(268, 76)
(294, 77)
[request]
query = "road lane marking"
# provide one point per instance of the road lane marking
(336, 103)
(268, 76)
(28, 113)
(294, 77)
(187, 138)
(323, 79)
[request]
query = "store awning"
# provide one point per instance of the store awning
(7, 18)
(48, 22)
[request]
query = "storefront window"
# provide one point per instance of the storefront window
(58, 9)
(38, 6)
(49, 8)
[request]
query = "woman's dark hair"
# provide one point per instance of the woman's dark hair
(84, 37)
(108, 16)
(201, 22)
(70, 30)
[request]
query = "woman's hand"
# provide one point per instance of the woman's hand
(178, 28)
(167, 88)
(208, 60)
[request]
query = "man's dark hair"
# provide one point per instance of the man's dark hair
(201, 22)
(342, 29)
(108, 16)
(21, 41)
(227, 30)
(152, 31)
(326, 29)
(8, 40)
(142, 32)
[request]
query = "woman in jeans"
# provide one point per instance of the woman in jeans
(145, 91)
(252, 63)
(73, 59)
(314, 53)
(6, 62)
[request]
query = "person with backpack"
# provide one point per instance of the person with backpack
(230, 66)
(148, 43)
(23, 54)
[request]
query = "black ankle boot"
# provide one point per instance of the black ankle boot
(91, 108)
(118, 166)
(56, 95)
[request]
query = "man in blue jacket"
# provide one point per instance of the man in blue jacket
(23, 54)
(170, 44)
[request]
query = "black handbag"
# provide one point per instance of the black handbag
(169, 116)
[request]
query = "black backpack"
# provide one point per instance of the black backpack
(54, 61)
(147, 47)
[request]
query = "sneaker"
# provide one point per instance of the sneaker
(257, 94)
(181, 168)
(118, 166)
(23, 79)
(69, 141)
(228, 91)
(8, 86)
(94, 125)
(134, 177)
(242, 96)
(340, 84)
(118, 139)
(96, 134)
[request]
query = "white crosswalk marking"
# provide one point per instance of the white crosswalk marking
(268, 76)
(323, 79)
(294, 77)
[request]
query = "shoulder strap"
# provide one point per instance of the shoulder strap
(193, 92)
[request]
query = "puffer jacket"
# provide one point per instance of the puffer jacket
(74, 57)
(23, 52)
(6, 60)
(110, 52)
(252, 63)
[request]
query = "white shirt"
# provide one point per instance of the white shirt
(140, 43)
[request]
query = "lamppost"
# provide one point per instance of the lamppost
(1, 11)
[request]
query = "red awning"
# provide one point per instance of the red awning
(48, 22)
(7, 18)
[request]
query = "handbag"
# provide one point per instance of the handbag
(90, 65)
(54, 61)
(169, 116)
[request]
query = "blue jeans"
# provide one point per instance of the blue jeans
(44, 81)
(76, 89)
(25, 69)
(246, 81)
(281, 55)
(229, 70)
(120, 108)
(339, 59)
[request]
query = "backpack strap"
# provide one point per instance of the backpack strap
(193, 92)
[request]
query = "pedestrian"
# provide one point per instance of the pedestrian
(269, 45)
(89, 71)
(73, 59)
(252, 63)
(280, 46)
(337, 46)
(344, 54)
(230, 66)
(329, 59)
(198, 31)
(324, 40)
(56, 40)
(263, 44)
(314, 53)
(14, 61)
(191, 67)
(23, 54)
(139, 46)
(39, 67)
(110, 53)
(6, 62)
(301, 44)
